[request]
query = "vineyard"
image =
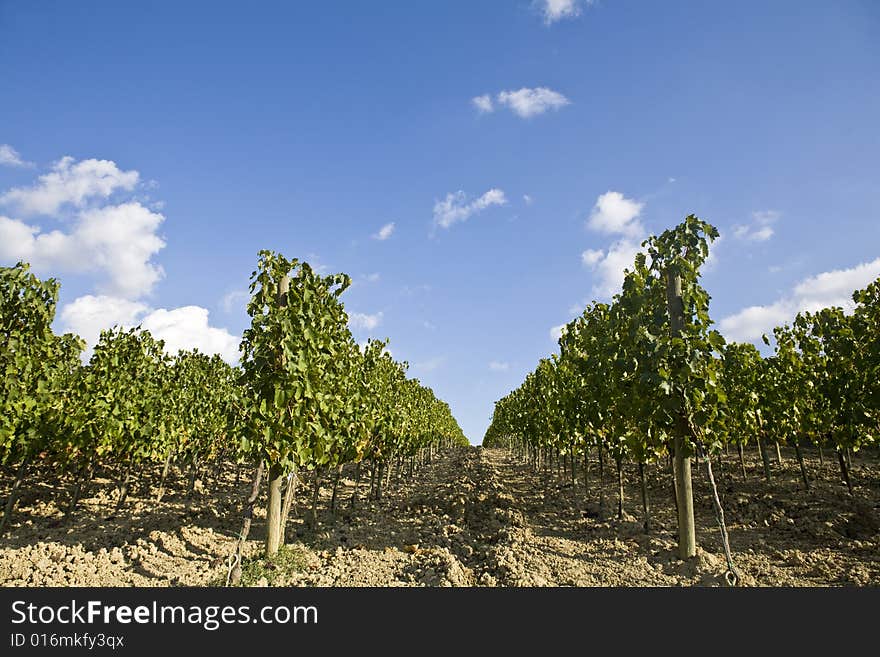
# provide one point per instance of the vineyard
(646, 380)
(306, 400)
(648, 451)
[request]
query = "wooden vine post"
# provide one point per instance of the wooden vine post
(687, 542)
(274, 538)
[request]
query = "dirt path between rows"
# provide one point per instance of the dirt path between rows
(473, 517)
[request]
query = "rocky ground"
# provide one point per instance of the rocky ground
(474, 517)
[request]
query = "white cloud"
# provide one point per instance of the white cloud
(122, 239)
(234, 299)
(498, 366)
(88, 315)
(483, 103)
(833, 288)
(455, 207)
(372, 278)
(672, 180)
(384, 232)
(752, 234)
(762, 234)
(591, 256)
(428, 325)
(556, 10)
(364, 321)
(613, 213)
(10, 157)
(117, 240)
(70, 182)
(181, 328)
(188, 328)
(528, 200)
(750, 323)
(621, 255)
(528, 102)
(760, 229)
(556, 331)
(609, 267)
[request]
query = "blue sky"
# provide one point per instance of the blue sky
(520, 149)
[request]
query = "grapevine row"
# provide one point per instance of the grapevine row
(305, 396)
(646, 377)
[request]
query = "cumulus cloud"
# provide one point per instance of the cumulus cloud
(528, 200)
(614, 213)
(88, 315)
(10, 157)
(70, 182)
(592, 257)
(186, 327)
(525, 102)
(556, 331)
(835, 288)
(364, 321)
(483, 103)
(384, 232)
(749, 324)
(832, 288)
(498, 366)
(760, 229)
(456, 207)
(528, 102)
(116, 241)
(557, 10)
(609, 270)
